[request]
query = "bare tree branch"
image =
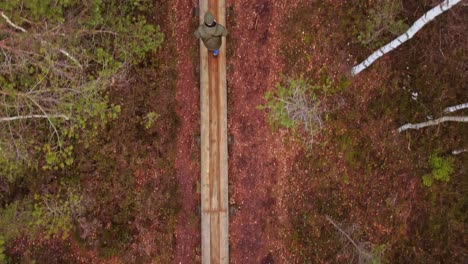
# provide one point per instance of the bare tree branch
(13, 118)
(11, 23)
(48, 118)
(364, 255)
(434, 122)
(83, 31)
(64, 52)
(18, 152)
(455, 108)
(459, 151)
(343, 232)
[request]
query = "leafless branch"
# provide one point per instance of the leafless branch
(455, 108)
(459, 151)
(18, 152)
(305, 110)
(48, 118)
(344, 233)
(82, 31)
(8, 20)
(434, 122)
(365, 256)
(13, 118)
(64, 52)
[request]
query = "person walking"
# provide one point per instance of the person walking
(211, 32)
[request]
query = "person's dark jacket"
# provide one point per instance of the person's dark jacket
(211, 36)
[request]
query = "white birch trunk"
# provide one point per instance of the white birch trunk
(455, 108)
(420, 23)
(434, 122)
(459, 151)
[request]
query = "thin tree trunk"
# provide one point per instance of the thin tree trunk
(455, 108)
(420, 23)
(434, 122)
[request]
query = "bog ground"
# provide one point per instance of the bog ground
(119, 181)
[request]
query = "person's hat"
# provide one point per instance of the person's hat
(209, 18)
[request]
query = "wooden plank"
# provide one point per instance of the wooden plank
(204, 143)
(223, 162)
(214, 155)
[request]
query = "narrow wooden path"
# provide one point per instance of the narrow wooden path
(214, 152)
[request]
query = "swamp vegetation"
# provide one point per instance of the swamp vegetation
(88, 125)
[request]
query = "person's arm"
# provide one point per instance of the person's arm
(197, 34)
(221, 31)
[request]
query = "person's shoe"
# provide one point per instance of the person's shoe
(216, 53)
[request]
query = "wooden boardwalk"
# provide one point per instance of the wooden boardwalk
(214, 152)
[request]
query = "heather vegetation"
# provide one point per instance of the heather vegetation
(92, 132)
(368, 193)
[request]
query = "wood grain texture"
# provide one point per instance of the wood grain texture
(214, 153)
